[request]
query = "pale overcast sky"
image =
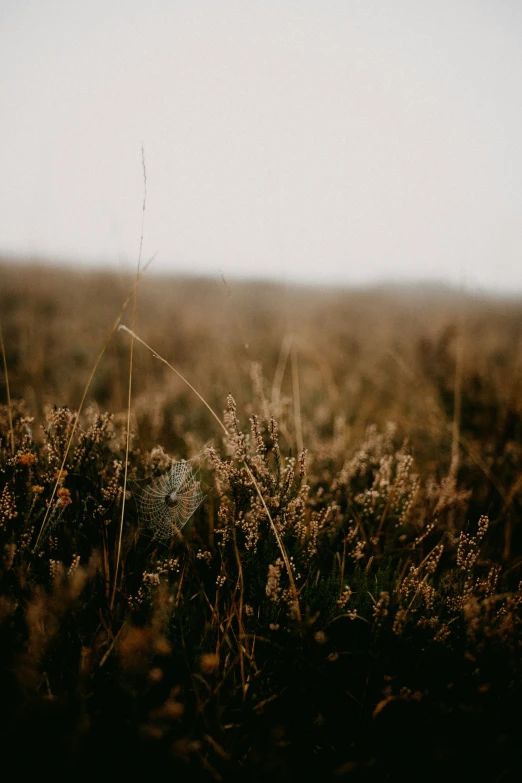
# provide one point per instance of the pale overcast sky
(324, 140)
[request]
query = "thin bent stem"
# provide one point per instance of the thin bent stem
(182, 377)
(8, 393)
(297, 401)
(281, 366)
(457, 405)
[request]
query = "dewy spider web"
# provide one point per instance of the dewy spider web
(169, 501)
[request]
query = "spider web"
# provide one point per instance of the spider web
(169, 501)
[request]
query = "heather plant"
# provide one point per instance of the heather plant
(239, 606)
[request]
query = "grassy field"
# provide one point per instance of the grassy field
(297, 555)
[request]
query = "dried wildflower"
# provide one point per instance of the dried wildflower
(55, 569)
(7, 506)
(256, 435)
(112, 488)
(74, 565)
(169, 501)
(64, 497)
(249, 523)
(150, 581)
(89, 441)
(302, 462)
(442, 634)
(425, 533)
(468, 549)
(273, 590)
(206, 556)
(380, 608)
(236, 440)
(400, 621)
(27, 458)
(159, 458)
(169, 565)
(345, 597)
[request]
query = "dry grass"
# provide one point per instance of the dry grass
(345, 603)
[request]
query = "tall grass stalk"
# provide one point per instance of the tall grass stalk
(129, 396)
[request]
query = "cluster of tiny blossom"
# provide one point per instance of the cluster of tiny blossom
(319, 520)
(222, 532)
(394, 487)
(414, 585)
(355, 545)
(149, 582)
(159, 459)
(432, 560)
(443, 633)
(425, 533)
(55, 569)
(26, 458)
(169, 565)
(59, 476)
(74, 565)
(257, 437)
(112, 487)
(26, 538)
(89, 441)
(380, 608)
(400, 620)
(249, 524)
(288, 598)
(59, 428)
(64, 497)
(7, 506)
(53, 542)
(273, 589)
(345, 597)
(487, 585)
(468, 549)
(446, 495)
(375, 446)
(236, 439)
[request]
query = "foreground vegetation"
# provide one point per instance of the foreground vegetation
(328, 586)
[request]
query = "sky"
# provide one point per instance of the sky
(328, 141)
